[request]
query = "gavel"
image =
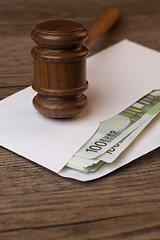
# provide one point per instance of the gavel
(60, 63)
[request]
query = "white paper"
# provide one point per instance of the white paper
(118, 76)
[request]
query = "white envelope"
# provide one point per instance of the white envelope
(118, 76)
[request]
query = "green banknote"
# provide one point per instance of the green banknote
(110, 155)
(151, 103)
(115, 129)
(118, 148)
(92, 165)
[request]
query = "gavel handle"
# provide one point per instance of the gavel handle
(102, 24)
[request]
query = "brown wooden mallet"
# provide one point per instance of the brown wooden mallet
(60, 63)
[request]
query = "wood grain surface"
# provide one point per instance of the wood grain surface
(59, 68)
(36, 203)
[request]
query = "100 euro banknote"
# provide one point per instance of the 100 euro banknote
(92, 165)
(116, 133)
(118, 127)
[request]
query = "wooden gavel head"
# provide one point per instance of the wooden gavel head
(60, 63)
(59, 68)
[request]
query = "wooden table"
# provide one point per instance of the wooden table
(36, 203)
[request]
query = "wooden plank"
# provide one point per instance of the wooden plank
(37, 197)
(131, 227)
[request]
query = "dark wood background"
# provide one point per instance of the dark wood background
(35, 203)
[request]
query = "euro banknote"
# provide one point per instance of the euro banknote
(92, 165)
(118, 148)
(151, 103)
(115, 129)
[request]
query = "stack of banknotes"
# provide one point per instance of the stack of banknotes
(114, 135)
